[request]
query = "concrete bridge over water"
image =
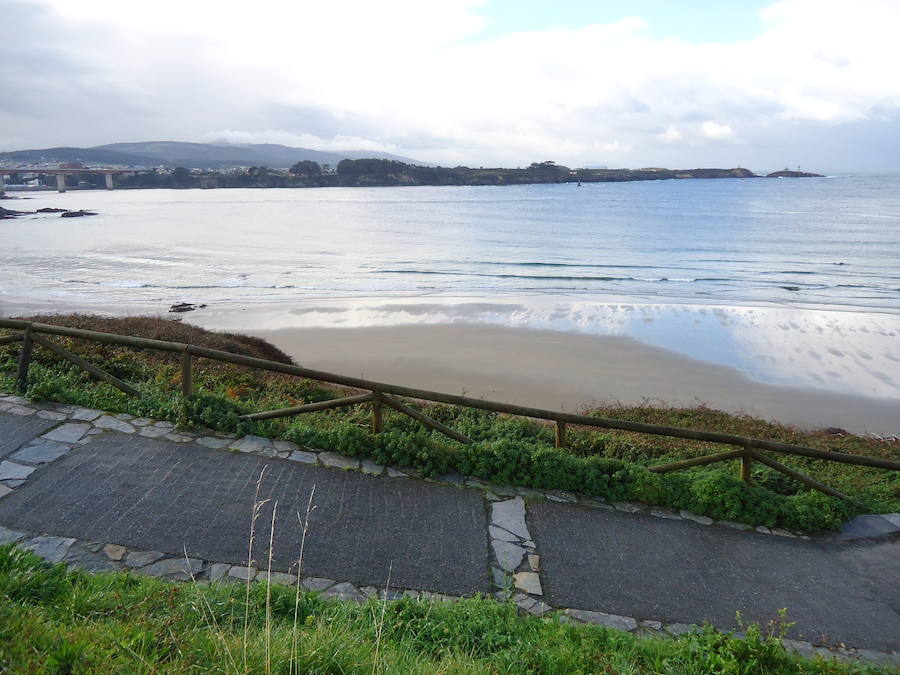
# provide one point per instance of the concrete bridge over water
(61, 173)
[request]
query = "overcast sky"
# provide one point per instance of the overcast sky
(505, 82)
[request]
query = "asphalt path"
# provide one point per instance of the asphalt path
(178, 498)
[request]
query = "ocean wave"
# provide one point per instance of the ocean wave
(110, 284)
(505, 263)
(177, 287)
(546, 277)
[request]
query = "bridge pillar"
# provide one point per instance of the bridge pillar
(109, 183)
(61, 182)
(2, 185)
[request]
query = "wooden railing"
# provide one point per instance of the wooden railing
(381, 394)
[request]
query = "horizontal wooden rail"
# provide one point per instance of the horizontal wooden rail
(697, 461)
(464, 401)
(309, 407)
(9, 339)
(106, 338)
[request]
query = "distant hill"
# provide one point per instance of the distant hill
(192, 155)
(85, 155)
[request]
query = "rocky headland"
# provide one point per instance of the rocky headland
(787, 173)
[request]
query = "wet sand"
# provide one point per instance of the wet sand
(567, 371)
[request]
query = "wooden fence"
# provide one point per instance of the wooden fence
(381, 394)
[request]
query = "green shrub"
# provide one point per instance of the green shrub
(814, 511)
(216, 412)
(417, 450)
(725, 654)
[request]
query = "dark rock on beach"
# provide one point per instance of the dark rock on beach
(77, 214)
(50, 209)
(185, 307)
(9, 213)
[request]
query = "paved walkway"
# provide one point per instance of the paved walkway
(108, 492)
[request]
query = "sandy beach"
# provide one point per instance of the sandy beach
(567, 371)
(809, 368)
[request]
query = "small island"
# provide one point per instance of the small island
(787, 173)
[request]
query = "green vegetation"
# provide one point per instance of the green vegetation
(507, 450)
(59, 620)
(387, 172)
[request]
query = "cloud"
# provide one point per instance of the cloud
(415, 78)
(717, 132)
(335, 143)
(671, 135)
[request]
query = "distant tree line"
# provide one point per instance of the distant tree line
(388, 172)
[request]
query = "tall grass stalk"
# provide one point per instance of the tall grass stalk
(380, 626)
(208, 614)
(294, 635)
(269, 592)
(257, 506)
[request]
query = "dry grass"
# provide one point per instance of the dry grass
(172, 330)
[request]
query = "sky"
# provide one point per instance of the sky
(685, 84)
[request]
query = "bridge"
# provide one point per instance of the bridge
(61, 172)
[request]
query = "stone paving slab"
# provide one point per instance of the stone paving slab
(166, 496)
(669, 570)
(16, 431)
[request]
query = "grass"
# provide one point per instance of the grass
(507, 450)
(59, 620)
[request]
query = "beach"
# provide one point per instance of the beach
(814, 369)
(573, 371)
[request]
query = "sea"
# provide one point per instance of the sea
(819, 242)
(701, 266)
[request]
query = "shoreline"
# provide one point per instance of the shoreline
(807, 368)
(569, 372)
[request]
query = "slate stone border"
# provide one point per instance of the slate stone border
(514, 564)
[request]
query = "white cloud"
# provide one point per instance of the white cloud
(671, 135)
(413, 77)
(716, 132)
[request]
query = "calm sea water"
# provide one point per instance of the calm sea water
(828, 242)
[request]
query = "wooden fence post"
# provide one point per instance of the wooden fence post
(747, 464)
(24, 360)
(560, 434)
(187, 382)
(377, 418)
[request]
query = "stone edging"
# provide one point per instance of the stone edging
(109, 557)
(515, 561)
